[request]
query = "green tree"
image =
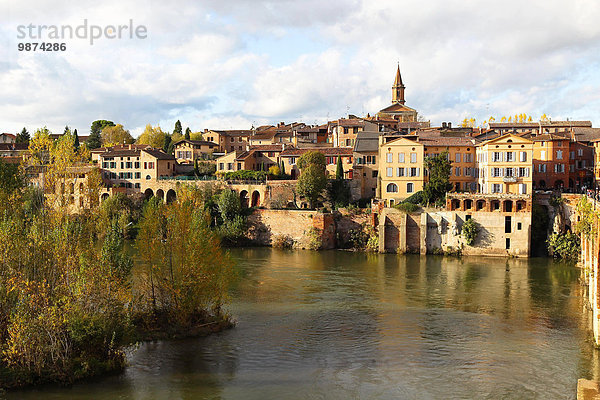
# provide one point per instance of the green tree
(282, 167)
(229, 205)
(188, 133)
(311, 183)
(67, 130)
(178, 128)
(23, 136)
(339, 170)
(76, 139)
(312, 157)
(95, 139)
(167, 146)
(438, 184)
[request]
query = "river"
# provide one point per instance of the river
(342, 325)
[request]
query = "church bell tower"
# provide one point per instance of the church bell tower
(398, 89)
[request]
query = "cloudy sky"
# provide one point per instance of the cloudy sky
(233, 63)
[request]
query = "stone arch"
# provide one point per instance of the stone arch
(104, 196)
(480, 205)
(495, 205)
(171, 196)
(244, 198)
(507, 206)
(160, 194)
(468, 204)
(148, 193)
(255, 198)
(454, 204)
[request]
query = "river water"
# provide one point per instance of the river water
(341, 325)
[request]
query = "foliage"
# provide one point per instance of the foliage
(311, 158)
(314, 238)
(438, 184)
(23, 136)
(282, 242)
(470, 230)
(114, 135)
(11, 178)
(364, 238)
(178, 128)
(95, 140)
(274, 170)
(243, 175)
(204, 168)
(338, 193)
(154, 137)
(587, 217)
(339, 169)
(416, 198)
(229, 205)
(407, 207)
(565, 246)
(556, 201)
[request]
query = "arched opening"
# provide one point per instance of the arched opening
(148, 193)
(104, 196)
(479, 205)
(495, 205)
(392, 188)
(160, 194)
(255, 198)
(468, 203)
(507, 206)
(244, 198)
(454, 204)
(81, 187)
(521, 205)
(171, 196)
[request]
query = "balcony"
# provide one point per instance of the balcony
(509, 179)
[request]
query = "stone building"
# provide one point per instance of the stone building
(188, 151)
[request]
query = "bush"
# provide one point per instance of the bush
(244, 175)
(407, 207)
(470, 229)
(565, 246)
(282, 242)
(416, 198)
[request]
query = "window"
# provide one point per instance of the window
(137, 185)
(221, 166)
(507, 243)
(374, 174)
(148, 177)
(559, 154)
(496, 188)
(138, 175)
(467, 171)
(457, 157)
(414, 172)
(229, 166)
(390, 171)
(508, 172)
(510, 156)
(523, 156)
(137, 165)
(113, 164)
(542, 168)
(410, 187)
(293, 160)
(104, 164)
(543, 154)
(389, 157)
(507, 224)
(580, 152)
(413, 157)
(559, 168)
(128, 164)
(239, 166)
(522, 188)
(572, 155)
(399, 171)
(497, 157)
(468, 157)
(400, 157)
(523, 172)
(519, 226)
(457, 171)
(496, 172)
(392, 188)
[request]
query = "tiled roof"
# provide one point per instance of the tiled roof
(238, 132)
(396, 108)
(548, 137)
(463, 141)
(263, 136)
(586, 134)
(537, 124)
(159, 154)
(327, 151)
(266, 147)
(134, 146)
(197, 142)
(366, 142)
(9, 134)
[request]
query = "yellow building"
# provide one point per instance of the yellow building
(187, 151)
(504, 165)
(400, 168)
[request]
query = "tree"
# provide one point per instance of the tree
(67, 130)
(312, 157)
(23, 136)
(439, 168)
(188, 133)
(195, 135)
(282, 167)
(76, 141)
(339, 169)
(178, 128)
(167, 145)
(229, 205)
(115, 135)
(311, 183)
(154, 137)
(95, 140)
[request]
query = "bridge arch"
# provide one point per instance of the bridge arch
(255, 198)
(148, 193)
(160, 194)
(171, 196)
(244, 198)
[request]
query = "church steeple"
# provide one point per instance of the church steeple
(398, 89)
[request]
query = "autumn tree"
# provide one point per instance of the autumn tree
(115, 135)
(154, 137)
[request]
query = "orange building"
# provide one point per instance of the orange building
(550, 161)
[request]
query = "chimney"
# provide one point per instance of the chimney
(449, 125)
(444, 125)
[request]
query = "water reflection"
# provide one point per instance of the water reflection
(344, 325)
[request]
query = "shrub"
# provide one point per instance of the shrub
(282, 242)
(407, 207)
(416, 198)
(314, 238)
(565, 246)
(243, 175)
(470, 229)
